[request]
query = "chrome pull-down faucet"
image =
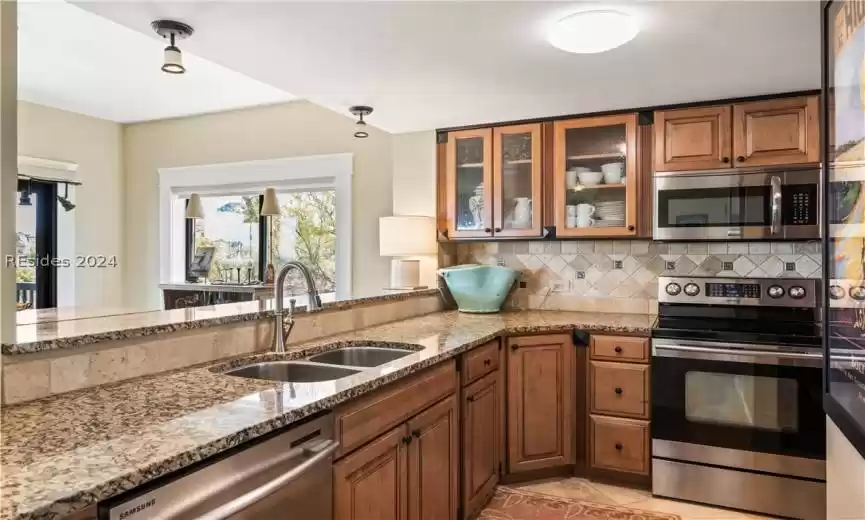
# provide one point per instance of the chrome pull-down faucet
(280, 334)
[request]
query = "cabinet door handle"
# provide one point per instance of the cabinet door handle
(487, 362)
(514, 346)
(470, 398)
(741, 158)
(631, 227)
(618, 391)
(415, 433)
(619, 446)
(498, 230)
(725, 160)
(618, 349)
(488, 230)
(406, 439)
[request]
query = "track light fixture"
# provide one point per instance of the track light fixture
(172, 30)
(24, 197)
(360, 130)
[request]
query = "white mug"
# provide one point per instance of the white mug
(572, 221)
(571, 211)
(584, 215)
(571, 178)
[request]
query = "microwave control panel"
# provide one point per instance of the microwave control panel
(799, 205)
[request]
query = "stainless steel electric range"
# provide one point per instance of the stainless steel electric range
(737, 417)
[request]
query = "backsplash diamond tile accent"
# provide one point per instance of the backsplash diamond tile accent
(622, 276)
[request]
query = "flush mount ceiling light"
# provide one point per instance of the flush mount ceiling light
(590, 32)
(172, 30)
(360, 130)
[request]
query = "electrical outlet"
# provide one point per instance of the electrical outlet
(727, 266)
(558, 286)
(617, 264)
(500, 262)
(789, 266)
(523, 285)
(579, 275)
(670, 266)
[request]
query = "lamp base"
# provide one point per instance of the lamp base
(404, 274)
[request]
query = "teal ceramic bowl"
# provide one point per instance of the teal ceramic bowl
(479, 288)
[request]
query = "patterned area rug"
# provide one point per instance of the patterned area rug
(516, 504)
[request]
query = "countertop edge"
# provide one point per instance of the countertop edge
(71, 342)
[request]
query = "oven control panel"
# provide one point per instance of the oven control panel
(786, 292)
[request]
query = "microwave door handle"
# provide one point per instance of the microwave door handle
(775, 182)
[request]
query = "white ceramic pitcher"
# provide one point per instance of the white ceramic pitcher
(522, 212)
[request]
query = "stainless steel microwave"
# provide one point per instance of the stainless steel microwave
(737, 204)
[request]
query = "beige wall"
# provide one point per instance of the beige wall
(845, 477)
(95, 145)
(284, 130)
(414, 184)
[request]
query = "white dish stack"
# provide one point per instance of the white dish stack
(610, 213)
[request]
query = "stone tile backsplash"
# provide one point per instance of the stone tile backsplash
(622, 275)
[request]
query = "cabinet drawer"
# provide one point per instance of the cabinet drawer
(361, 420)
(619, 444)
(620, 348)
(619, 389)
(480, 361)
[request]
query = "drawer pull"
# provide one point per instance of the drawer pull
(618, 391)
(618, 349)
(487, 362)
(619, 446)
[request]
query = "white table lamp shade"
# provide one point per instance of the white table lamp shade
(405, 235)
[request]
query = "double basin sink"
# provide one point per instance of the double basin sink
(326, 366)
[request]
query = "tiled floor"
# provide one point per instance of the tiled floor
(582, 489)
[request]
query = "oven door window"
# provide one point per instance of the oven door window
(743, 406)
(713, 207)
(745, 401)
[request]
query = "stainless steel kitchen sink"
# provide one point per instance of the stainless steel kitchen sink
(361, 356)
(292, 372)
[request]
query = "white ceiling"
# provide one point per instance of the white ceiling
(72, 59)
(423, 65)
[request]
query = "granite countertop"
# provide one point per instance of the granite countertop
(63, 453)
(39, 337)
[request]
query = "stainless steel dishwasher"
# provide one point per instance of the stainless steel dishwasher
(287, 476)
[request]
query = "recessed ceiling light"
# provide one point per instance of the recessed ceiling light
(589, 32)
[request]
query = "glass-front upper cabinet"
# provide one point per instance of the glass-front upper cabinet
(517, 181)
(595, 176)
(469, 183)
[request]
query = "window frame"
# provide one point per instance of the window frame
(307, 173)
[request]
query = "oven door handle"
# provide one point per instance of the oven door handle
(767, 357)
(775, 182)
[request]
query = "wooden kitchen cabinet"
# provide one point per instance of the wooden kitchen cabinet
(777, 131)
(372, 482)
(693, 139)
(619, 408)
(493, 182)
(482, 441)
(606, 205)
(400, 460)
(540, 402)
(433, 456)
(774, 132)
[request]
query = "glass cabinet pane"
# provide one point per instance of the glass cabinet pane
(516, 183)
(470, 210)
(595, 185)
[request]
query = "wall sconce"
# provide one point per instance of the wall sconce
(170, 29)
(64, 200)
(360, 130)
(193, 207)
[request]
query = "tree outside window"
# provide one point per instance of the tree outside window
(306, 231)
